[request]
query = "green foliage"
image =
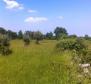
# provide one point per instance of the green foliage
(59, 31)
(26, 38)
(4, 46)
(11, 35)
(72, 36)
(2, 30)
(71, 44)
(86, 56)
(20, 35)
(49, 35)
(27, 41)
(63, 36)
(41, 64)
(87, 37)
(38, 36)
(79, 48)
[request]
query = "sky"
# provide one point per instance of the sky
(46, 15)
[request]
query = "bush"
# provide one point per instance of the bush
(38, 36)
(27, 41)
(4, 46)
(71, 44)
(26, 38)
(82, 53)
(86, 57)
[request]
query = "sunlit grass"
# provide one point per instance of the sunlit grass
(36, 64)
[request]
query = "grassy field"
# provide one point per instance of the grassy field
(37, 64)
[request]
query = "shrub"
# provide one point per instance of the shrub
(4, 46)
(86, 57)
(26, 38)
(71, 44)
(82, 53)
(38, 36)
(27, 41)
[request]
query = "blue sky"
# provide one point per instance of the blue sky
(45, 15)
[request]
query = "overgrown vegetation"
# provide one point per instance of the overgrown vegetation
(37, 64)
(41, 64)
(77, 47)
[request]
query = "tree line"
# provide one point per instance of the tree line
(34, 34)
(59, 32)
(27, 36)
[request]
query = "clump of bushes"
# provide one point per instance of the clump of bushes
(78, 48)
(71, 44)
(5, 46)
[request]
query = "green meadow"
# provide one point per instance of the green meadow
(37, 64)
(45, 41)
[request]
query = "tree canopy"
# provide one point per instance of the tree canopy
(59, 32)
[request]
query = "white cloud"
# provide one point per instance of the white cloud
(32, 11)
(12, 4)
(35, 19)
(61, 17)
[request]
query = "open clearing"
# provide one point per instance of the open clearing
(36, 64)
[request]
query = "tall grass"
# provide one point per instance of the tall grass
(37, 64)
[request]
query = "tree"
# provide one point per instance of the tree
(87, 37)
(26, 38)
(32, 34)
(14, 35)
(59, 31)
(38, 36)
(2, 30)
(20, 35)
(11, 34)
(49, 35)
